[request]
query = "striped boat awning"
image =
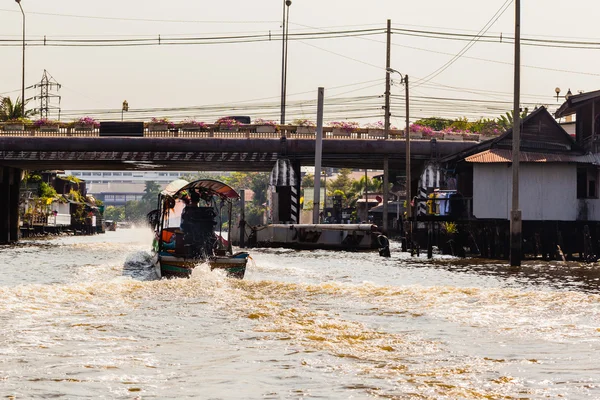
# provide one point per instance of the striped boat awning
(505, 156)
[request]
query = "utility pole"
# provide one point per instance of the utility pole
(386, 132)
(284, 40)
(23, 71)
(407, 151)
(515, 214)
(318, 152)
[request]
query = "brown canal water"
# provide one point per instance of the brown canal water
(84, 317)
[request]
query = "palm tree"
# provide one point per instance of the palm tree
(10, 110)
(506, 122)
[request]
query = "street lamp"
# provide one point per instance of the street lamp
(124, 108)
(286, 10)
(23, 72)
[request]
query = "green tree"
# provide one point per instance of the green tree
(342, 182)
(437, 124)
(10, 110)
(115, 213)
(136, 211)
(461, 124)
(258, 182)
(308, 181)
(506, 121)
(151, 192)
(485, 126)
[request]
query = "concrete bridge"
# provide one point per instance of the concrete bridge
(218, 153)
(228, 151)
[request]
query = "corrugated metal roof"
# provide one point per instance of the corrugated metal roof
(570, 106)
(505, 156)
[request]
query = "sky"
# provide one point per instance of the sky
(206, 81)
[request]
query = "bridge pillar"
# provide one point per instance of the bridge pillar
(10, 180)
(284, 189)
(296, 190)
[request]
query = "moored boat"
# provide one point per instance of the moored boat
(186, 222)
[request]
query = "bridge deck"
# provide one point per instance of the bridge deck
(66, 148)
(246, 131)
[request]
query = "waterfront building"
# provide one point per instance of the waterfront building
(115, 188)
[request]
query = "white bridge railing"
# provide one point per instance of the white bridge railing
(237, 132)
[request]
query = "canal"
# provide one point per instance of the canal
(84, 317)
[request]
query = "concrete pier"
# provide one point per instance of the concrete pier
(314, 236)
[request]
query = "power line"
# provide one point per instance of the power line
(471, 43)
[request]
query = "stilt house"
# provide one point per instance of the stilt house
(557, 179)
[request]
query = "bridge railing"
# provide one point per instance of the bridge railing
(237, 132)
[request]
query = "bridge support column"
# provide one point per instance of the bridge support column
(284, 200)
(10, 180)
(296, 190)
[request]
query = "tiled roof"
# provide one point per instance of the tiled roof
(505, 156)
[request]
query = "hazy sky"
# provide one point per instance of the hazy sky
(352, 69)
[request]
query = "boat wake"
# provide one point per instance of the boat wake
(139, 266)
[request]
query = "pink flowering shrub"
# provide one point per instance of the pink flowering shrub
(227, 122)
(345, 126)
(87, 121)
(303, 122)
(261, 121)
(425, 130)
(45, 122)
(378, 125)
(193, 122)
(162, 121)
(455, 131)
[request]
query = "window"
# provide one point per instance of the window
(587, 183)
(127, 174)
(86, 174)
(96, 173)
(117, 173)
(106, 173)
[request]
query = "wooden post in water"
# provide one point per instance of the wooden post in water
(429, 239)
(15, 183)
(242, 218)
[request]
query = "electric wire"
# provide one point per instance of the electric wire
(471, 43)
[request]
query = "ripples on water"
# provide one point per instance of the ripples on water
(85, 317)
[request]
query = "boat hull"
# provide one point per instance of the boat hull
(169, 266)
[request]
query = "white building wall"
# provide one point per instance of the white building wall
(546, 191)
(491, 188)
(592, 206)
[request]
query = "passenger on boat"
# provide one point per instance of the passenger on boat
(197, 224)
(168, 239)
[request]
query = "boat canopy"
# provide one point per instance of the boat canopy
(174, 187)
(213, 187)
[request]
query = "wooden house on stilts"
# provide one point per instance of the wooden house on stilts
(558, 189)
